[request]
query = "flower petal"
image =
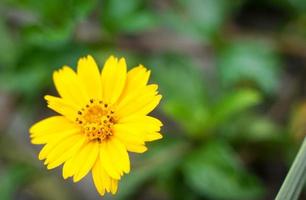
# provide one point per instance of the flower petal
(114, 186)
(136, 79)
(145, 126)
(153, 136)
(119, 155)
(81, 162)
(124, 134)
(63, 107)
(68, 168)
(87, 159)
(89, 75)
(45, 151)
(102, 180)
(69, 87)
(136, 148)
(113, 79)
(141, 119)
(52, 143)
(132, 142)
(141, 123)
(140, 104)
(64, 151)
(52, 129)
(50, 125)
(114, 158)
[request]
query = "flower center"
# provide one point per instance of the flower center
(96, 120)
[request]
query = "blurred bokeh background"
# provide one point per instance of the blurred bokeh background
(232, 75)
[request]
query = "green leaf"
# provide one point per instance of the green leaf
(118, 10)
(201, 18)
(215, 172)
(184, 91)
(131, 16)
(249, 61)
(57, 12)
(296, 177)
(139, 22)
(12, 179)
(49, 38)
(252, 128)
(54, 22)
(162, 157)
(299, 5)
(34, 72)
(25, 82)
(231, 105)
(8, 47)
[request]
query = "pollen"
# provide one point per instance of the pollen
(96, 120)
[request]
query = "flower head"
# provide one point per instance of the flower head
(101, 116)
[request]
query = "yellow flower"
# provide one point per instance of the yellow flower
(101, 117)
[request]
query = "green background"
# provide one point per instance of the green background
(232, 75)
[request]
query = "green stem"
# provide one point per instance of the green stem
(296, 177)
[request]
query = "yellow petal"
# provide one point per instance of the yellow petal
(140, 124)
(132, 145)
(86, 160)
(114, 158)
(68, 168)
(141, 120)
(51, 125)
(97, 178)
(69, 87)
(153, 136)
(54, 136)
(79, 163)
(62, 107)
(113, 79)
(132, 142)
(89, 75)
(149, 106)
(43, 154)
(114, 186)
(123, 134)
(141, 104)
(64, 151)
(137, 78)
(102, 180)
(47, 149)
(136, 148)
(119, 155)
(107, 161)
(140, 95)
(145, 127)
(51, 131)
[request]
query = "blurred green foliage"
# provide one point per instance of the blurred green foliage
(117, 17)
(250, 61)
(12, 179)
(221, 176)
(229, 73)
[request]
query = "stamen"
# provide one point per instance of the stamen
(96, 120)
